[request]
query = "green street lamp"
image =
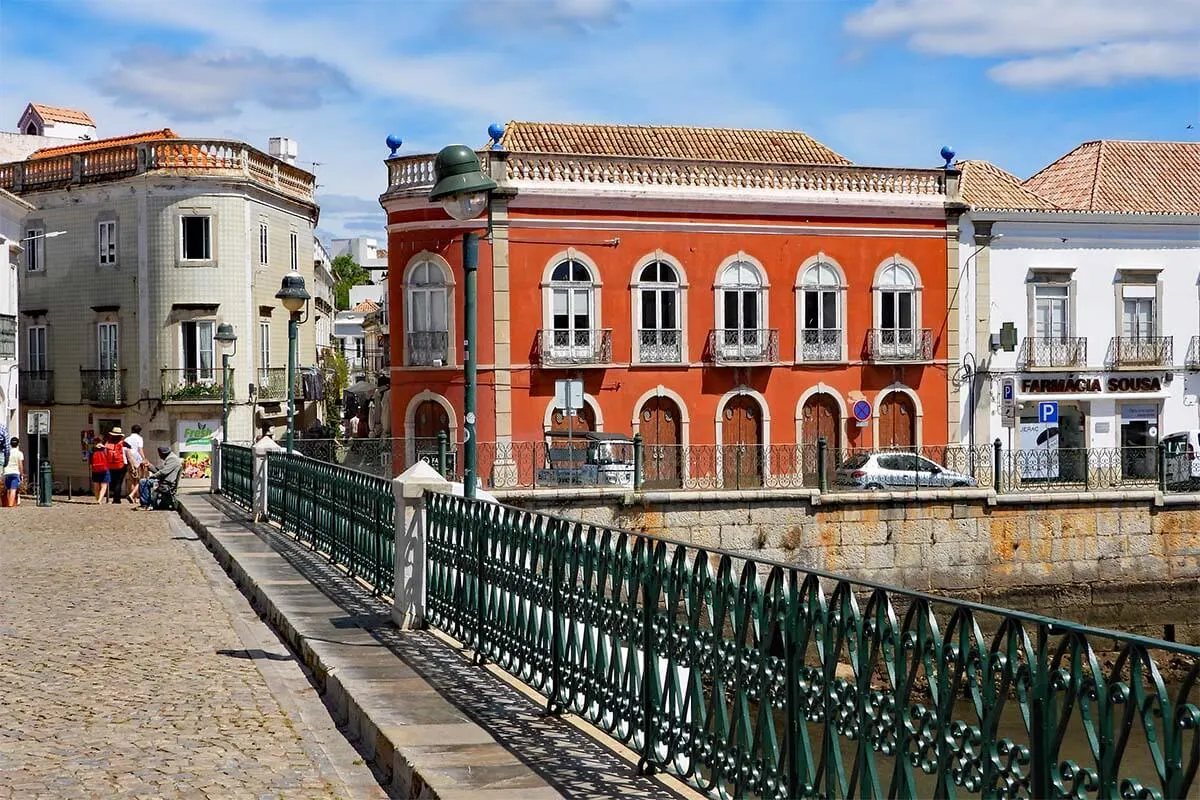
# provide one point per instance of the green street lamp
(464, 191)
(227, 341)
(294, 298)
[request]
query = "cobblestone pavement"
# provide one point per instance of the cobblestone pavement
(130, 666)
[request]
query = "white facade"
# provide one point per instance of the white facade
(364, 250)
(323, 283)
(13, 211)
(1106, 309)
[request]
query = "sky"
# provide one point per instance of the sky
(884, 82)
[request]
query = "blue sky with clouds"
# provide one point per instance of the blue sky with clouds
(1017, 82)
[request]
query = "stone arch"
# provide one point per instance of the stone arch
(918, 411)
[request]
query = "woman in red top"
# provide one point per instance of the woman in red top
(116, 465)
(99, 461)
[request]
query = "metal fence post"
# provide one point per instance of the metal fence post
(638, 450)
(996, 456)
(443, 453)
(46, 484)
(822, 474)
(1162, 467)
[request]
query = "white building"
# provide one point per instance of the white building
(1094, 262)
(365, 251)
(56, 122)
(323, 310)
(13, 211)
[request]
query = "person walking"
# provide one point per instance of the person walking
(117, 465)
(100, 476)
(135, 456)
(14, 468)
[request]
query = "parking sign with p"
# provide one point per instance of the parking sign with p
(1048, 411)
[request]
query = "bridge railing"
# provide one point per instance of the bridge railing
(237, 473)
(750, 678)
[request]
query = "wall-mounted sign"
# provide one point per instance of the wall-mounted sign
(1090, 385)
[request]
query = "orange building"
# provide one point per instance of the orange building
(733, 292)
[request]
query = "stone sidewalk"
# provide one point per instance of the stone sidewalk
(132, 667)
(433, 724)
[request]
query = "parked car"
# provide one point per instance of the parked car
(899, 471)
(1182, 467)
(587, 458)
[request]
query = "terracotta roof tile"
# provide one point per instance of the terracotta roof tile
(59, 114)
(96, 144)
(984, 185)
(652, 141)
(366, 306)
(1122, 176)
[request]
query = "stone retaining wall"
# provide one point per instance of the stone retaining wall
(1118, 560)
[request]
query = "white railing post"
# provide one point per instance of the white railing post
(409, 487)
(261, 448)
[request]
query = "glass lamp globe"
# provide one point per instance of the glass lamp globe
(465, 206)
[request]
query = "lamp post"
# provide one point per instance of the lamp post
(464, 191)
(294, 298)
(227, 340)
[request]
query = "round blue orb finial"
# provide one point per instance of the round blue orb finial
(495, 131)
(948, 154)
(393, 142)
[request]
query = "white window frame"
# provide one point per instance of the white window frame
(208, 230)
(573, 346)
(427, 294)
(202, 374)
(640, 289)
(816, 265)
(35, 249)
(108, 338)
(106, 242)
(885, 285)
(264, 243)
(1050, 295)
(264, 351)
(35, 348)
(739, 346)
(294, 245)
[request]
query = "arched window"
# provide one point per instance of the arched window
(660, 328)
(742, 335)
(820, 308)
(573, 336)
(898, 335)
(427, 330)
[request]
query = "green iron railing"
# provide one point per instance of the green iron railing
(237, 474)
(749, 678)
(347, 515)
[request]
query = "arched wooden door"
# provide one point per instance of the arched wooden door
(583, 421)
(820, 417)
(897, 422)
(429, 420)
(741, 442)
(660, 426)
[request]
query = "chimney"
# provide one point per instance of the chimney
(282, 148)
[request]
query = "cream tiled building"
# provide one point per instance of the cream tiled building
(164, 238)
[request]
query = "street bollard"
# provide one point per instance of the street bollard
(996, 445)
(443, 453)
(1162, 467)
(45, 483)
(637, 462)
(822, 473)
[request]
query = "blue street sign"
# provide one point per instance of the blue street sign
(1048, 411)
(1008, 390)
(862, 410)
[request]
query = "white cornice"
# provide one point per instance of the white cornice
(682, 226)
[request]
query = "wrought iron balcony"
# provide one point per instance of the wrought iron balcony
(8, 336)
(819, 344)
(181, 385)
(1193, 354)
(743, 346)
(660, 346)
(272, 383)
(577, 348)
(426, 348)
(1047, 352)
(102, 387)
(900, 344)
(1126, 352)
(37, 386)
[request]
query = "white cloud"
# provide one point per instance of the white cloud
(1069, 42)
(534, 17)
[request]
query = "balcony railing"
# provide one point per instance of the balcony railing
(180, 385)
(820, 345)
(8, 336)
(426, 348)
(191, 157)
(577, 348)
(272, 383)
(900, 344)
(37, 386)
(1044, 352)
(1140, 351)
(102, 387)
(743, 346)
(659, 346)
(1193, 353)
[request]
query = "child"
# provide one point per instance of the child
(99, 472)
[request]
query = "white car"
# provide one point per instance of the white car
(1182, 467)
(899, 471)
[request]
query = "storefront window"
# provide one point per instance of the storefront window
(1139, 440)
